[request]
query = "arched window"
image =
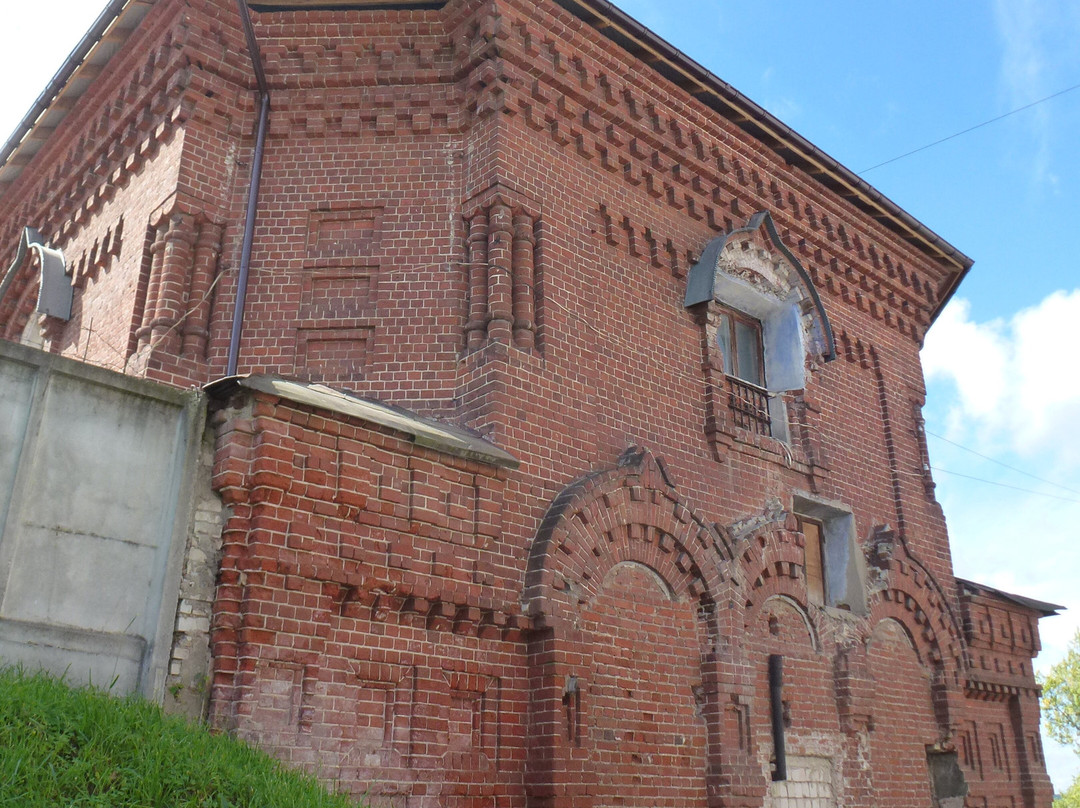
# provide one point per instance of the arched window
(763, 320)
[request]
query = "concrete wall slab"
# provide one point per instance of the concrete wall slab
(95, 479)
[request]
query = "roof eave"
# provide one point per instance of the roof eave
(1041, 606)
(720, 96)
(21, 139)
(641, 43)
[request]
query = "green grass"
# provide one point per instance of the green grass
(80, 747)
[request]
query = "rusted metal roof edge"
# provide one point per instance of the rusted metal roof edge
(427, 432)
(274, 6)
(1041, 606)
(721, 97)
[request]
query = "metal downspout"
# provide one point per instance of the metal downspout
(253, 187)
(776, 704)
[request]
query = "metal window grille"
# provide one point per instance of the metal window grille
(749, 406)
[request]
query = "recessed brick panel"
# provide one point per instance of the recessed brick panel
(338, 294)
(333, 354)
(343, 233)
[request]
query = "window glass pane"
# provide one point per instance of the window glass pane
(815, 578)
(723, 337)
(748, 348)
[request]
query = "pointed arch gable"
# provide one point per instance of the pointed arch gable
(701, 283)
(622, 586)
(771, 562)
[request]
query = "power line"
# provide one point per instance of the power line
(1005, 485)
(1003, 465)
(970, 129)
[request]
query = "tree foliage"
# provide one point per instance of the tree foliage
(1061, 711)
(1061, 697)
(1071, 798)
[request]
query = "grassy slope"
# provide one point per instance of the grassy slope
(64, 747)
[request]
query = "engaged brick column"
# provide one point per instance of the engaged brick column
(500, 251)
(524, 304)
(157, 255)
(476, 328)
(197, 324)
(500, 272)
(172, 294)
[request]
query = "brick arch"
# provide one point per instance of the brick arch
(905, 715)
(651, 576)
(789, 601)
(771, 562)
(883, 624)
(913, 599)
(629, 513)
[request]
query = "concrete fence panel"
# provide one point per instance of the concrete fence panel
(96, 474)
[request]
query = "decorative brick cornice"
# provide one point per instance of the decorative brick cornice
(696, 168)
(980, 690)
(100, 149)
(640, 241)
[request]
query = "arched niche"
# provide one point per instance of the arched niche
(621, 584)
(904, 718)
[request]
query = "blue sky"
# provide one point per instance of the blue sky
(867, 82)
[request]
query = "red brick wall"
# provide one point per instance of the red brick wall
(999, 742)
(114, 158)
(904, 722)
(487, 213)
(647, 743)
(352, 629)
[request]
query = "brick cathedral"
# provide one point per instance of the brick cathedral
(565, 408)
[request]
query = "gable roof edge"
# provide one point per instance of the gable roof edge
(753, 119)
(82, 53)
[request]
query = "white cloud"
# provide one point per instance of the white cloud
(1024, 544)
(1038, 58)
(1020, 25)
(1017, 381)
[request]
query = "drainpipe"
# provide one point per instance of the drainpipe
(776, 702)
(253, 187)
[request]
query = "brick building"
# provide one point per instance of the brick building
(560, 393)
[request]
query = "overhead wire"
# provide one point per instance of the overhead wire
(969, 129)
(1004, 485)
(1003, 465)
